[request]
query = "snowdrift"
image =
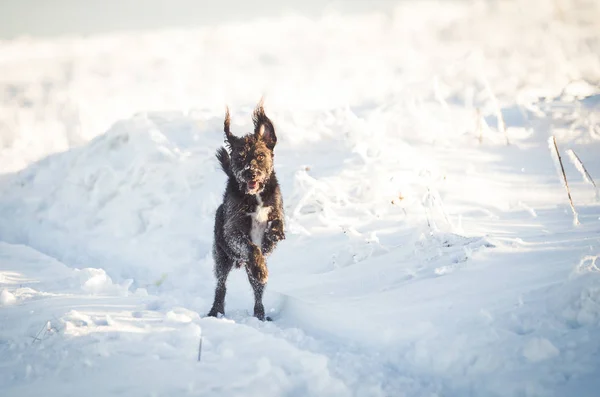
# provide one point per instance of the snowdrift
(430, 249)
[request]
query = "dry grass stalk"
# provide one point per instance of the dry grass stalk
(559, 165)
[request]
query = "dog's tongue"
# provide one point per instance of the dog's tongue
(252, 185)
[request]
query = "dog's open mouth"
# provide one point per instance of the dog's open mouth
(253, 186)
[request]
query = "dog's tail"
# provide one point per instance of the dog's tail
(225, 161)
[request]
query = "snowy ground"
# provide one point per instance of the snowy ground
(425, 256)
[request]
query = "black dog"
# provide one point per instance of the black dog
(249, 222)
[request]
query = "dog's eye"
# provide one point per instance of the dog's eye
(260, 157)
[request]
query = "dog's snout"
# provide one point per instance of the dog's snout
(251, 173)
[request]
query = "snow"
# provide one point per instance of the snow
(539, 349)
(6, 298)
(557, 158)
(584, 174)
(424, 256)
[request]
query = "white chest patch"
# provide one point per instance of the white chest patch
(260, 218)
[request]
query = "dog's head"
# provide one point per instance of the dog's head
(252, 155)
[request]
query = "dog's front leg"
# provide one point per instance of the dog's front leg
(256, 268)
(241, 247)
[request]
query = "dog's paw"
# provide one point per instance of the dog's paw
(214, 312)
(276, 232)
(257, 258)
(259, 311)
(260, 273)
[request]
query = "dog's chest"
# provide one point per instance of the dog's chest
(260, 219)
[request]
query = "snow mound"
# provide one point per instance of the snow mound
(7, 298)
(539, 349)
(129, 188)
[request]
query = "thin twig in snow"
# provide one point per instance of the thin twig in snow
(583, 171)
(200, 349)
(200, 346)
(478, 126)
(588, 263)
(37, 336)
(559, 165)
(498, 111)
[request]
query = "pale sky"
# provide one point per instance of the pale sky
(60, 17)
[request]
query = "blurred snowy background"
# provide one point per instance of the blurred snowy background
(72, 17)
(62, 86)
(431, 248)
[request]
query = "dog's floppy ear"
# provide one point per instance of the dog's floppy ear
(228, 135)
(263, 128)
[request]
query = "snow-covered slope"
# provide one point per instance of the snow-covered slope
(425, 256)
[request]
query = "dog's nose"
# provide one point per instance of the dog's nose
(253, 174)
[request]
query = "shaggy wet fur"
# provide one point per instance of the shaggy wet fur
(249, 222)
